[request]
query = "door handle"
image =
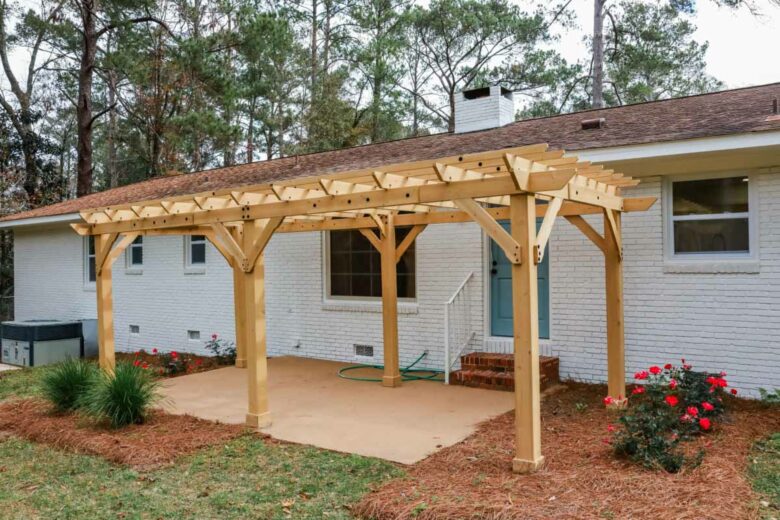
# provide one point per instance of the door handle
(494, 271)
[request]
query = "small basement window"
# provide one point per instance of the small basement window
(193, 335)
(135, 329)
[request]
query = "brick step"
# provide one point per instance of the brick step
(502, 377)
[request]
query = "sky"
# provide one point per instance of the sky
(743, 48)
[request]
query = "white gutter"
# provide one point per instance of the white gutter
(681, 147)
(40, 221)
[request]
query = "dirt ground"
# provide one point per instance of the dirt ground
(158, 442)
(581, 477)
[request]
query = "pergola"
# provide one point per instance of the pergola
(483, 187)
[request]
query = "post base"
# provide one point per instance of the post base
(391, 381)
(240, 363)
(526, 466)
(262, 420)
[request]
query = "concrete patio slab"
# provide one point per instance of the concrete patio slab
(4, 367)
(311, 405)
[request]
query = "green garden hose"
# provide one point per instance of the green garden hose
(407, 374)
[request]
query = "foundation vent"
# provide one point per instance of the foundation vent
(364, 350)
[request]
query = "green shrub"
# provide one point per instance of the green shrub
(122, 397)
(673, 405)
(64, 384)
(224, 351)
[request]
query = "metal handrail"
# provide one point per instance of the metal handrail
(447, 362)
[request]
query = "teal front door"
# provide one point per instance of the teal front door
(501, 291)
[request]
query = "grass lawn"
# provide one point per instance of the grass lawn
(764, 472)
(245, 478)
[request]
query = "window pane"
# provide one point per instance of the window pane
(712, 236)
(707, 196)
(136, 255)
(356, 270)
(91, 269)
(91, 246)
(198, 253)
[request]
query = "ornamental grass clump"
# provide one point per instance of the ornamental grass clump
(671, 405)
(123, 397)
(64, 384)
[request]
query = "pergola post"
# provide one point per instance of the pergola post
(240, 317)
(255, 237)
(105, 304)
(525, 314)
(392, 373)
(613, 263)
(105, 257)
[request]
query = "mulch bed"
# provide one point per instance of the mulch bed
(158, 442)
(581, 477)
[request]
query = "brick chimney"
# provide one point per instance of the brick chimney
(481, 108)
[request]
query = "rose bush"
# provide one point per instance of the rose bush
(671, 405)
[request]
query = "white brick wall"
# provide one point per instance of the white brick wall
(716, 321)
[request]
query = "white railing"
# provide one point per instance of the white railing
(458, 330)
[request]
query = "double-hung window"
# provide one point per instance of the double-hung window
(90, 275)
(355, 267)
(135, 254)
(195, 251)
(711, 218)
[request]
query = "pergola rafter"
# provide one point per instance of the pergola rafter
(484, 187)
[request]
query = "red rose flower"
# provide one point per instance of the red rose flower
(673, 384)
(154, 351)
(638, 390)
(136, 363)
(199, 362)
(642, 374)
(655, 370)
(707, 406)
(733, 391)
(145, 366)
(671, 400)
(174, 354)
(712, 380)
(723, 374)
(692, 410)
(611, 428)
(668, 366)
(608, 400)
(705, 423)
(214, 337)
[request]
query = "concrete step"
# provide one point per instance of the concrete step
(495, 371)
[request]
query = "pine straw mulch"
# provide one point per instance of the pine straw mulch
(158, 442)
(581, 477)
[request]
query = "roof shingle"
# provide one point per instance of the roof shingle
(707, 115)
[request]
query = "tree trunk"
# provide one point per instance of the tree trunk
(84, 102)
(314, 64)
(451, 120)
(113, 172)
(598, 54)
(250, 133)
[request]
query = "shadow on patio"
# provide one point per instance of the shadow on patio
(311, 405)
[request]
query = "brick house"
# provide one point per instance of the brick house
(702, 266)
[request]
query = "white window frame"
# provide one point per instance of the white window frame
(716, 261)
(406, 305)
(189, 267)
(87, 259)
(130, 267)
